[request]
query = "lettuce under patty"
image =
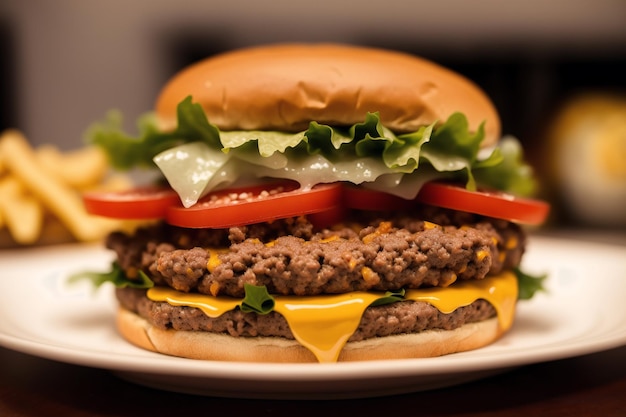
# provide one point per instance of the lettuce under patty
(365, 153)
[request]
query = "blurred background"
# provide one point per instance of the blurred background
(555, 69)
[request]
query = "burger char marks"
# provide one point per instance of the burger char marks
(289, 257)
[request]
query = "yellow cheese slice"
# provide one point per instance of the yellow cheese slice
(323, 324)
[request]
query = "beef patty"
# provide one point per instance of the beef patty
(290, 257)
(377, 321)
(372, 251)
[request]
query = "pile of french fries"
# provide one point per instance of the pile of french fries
(42, 186)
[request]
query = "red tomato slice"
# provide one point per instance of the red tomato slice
(327, 218)
(487, 203)
(139, 203)
(360, 198)
(255, 204)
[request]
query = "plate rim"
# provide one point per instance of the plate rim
(456, 363)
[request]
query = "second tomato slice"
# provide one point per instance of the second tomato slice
(255, 204)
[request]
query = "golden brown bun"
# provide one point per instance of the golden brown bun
(212, 346)
(284, 87)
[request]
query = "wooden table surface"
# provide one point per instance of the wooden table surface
(590, 385)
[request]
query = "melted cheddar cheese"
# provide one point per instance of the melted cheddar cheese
(323, 324)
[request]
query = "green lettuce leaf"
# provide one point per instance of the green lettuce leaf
(268, 143)
(194, 126)
(442, 150)
(257, 300)
(126, 151)
(509, 172)
(405, 152)
(454, 148)
(390, 297)
(528, 284)
(115, 276)
(325, 139)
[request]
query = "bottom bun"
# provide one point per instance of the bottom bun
(221, 347)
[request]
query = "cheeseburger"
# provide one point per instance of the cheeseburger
(318, 203)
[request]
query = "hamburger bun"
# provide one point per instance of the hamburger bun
(284, 87)
(216, 346)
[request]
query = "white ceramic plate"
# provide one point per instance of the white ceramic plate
(582, 312)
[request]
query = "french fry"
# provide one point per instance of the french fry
(10, 187)
(80, 168)
(21, 212)
(112, 183)
(3, 168)
(58, 197)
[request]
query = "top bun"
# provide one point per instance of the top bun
(284, 87)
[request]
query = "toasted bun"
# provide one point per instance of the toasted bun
(284, 87)
(213, 346)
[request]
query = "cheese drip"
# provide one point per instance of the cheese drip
(323, 324)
